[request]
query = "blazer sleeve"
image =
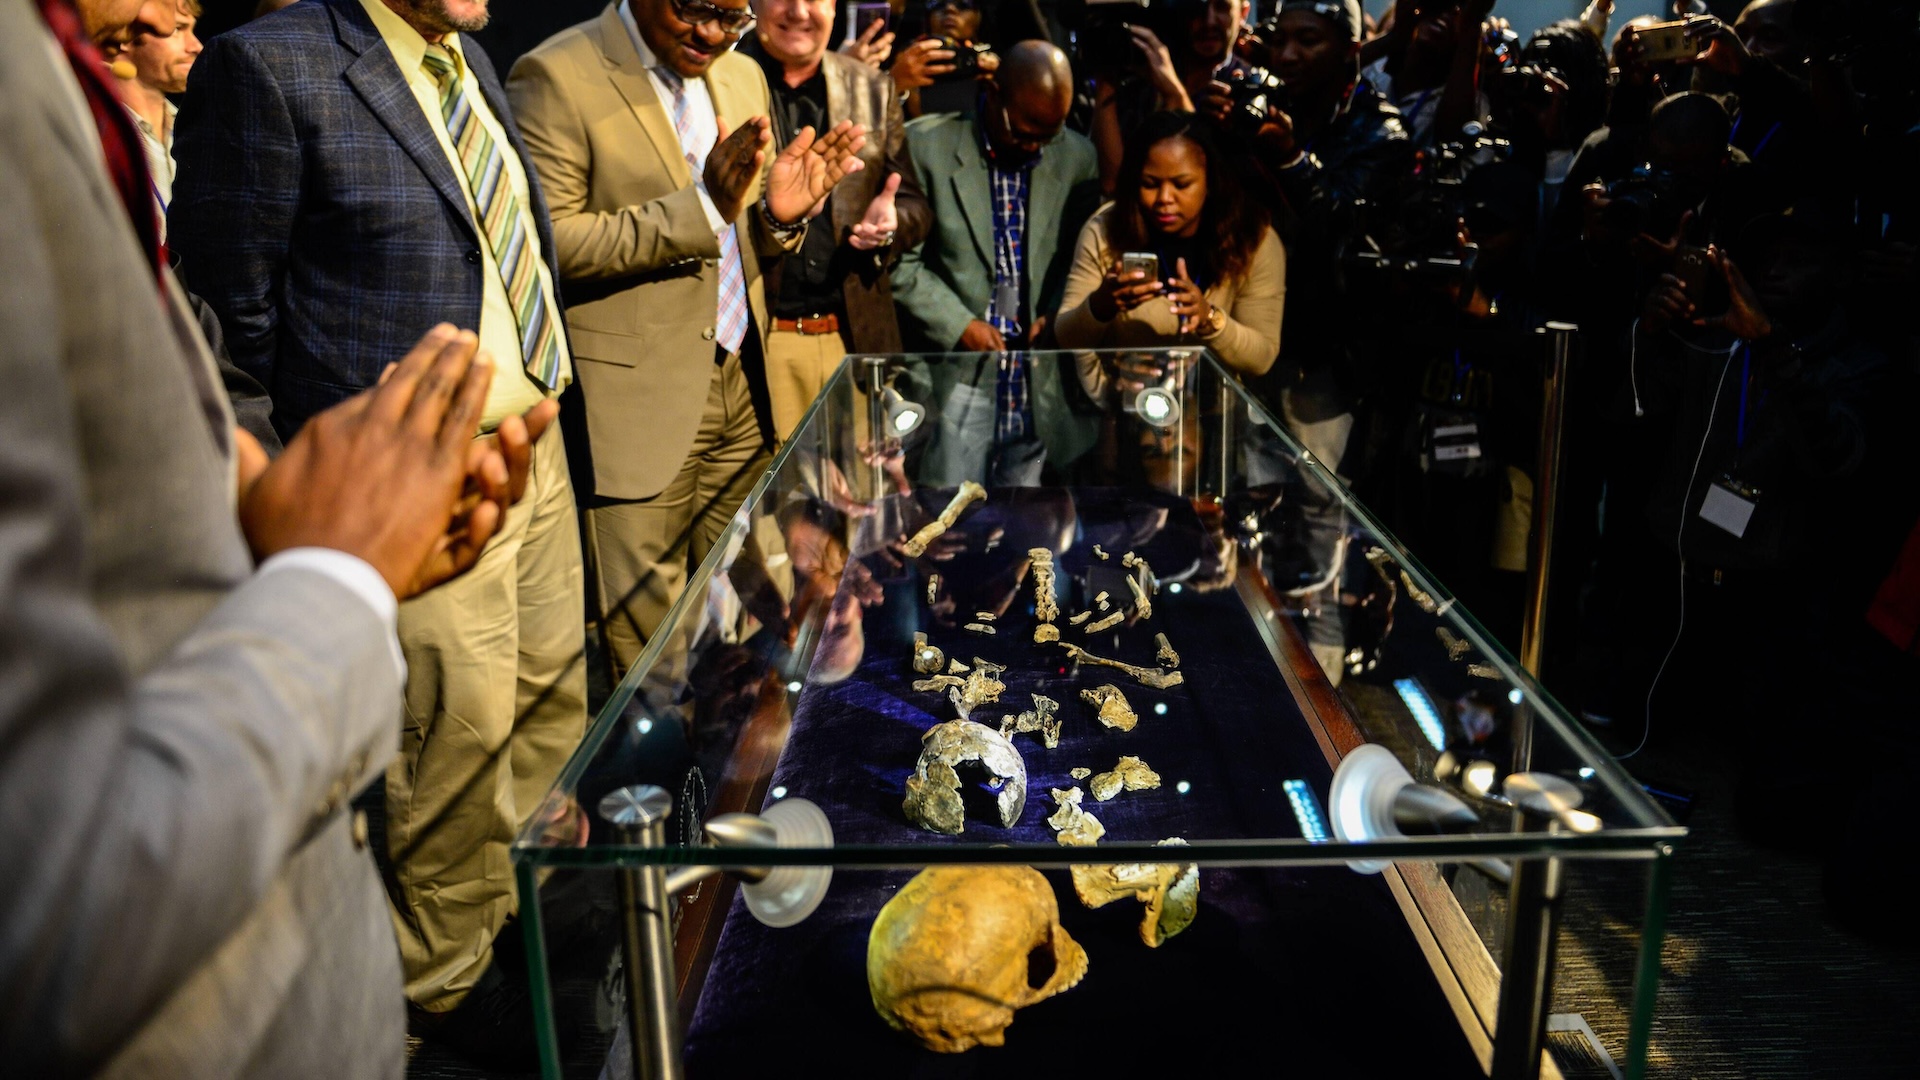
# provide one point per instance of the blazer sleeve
(144, 816)
(1077, 327)
(928, 305)
(1249, 341)
(591, 245)
(236, 194)
(910, 202)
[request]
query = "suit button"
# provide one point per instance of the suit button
(359, 830)
(707, 334)
(474, 256)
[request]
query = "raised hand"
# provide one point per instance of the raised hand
(872, 47)
(920, 63)
(1160, 69)
(876, 229)
(1187, 300)
(393, 475)
(1745, 318)
(810, 166)
(734, 163)
(1122, 290)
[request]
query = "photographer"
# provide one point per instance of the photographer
(1222, 271)
(940, 71)
(1164, 63)
(1428, 65)
(1551, 97)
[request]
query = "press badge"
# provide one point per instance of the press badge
(1006, 299)
(1729, 505)
(1456, 442)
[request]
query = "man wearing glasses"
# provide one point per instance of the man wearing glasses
(1010, 188)
(651, 138)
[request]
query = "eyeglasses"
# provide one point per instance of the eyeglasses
(700, 13)
(1022, 140)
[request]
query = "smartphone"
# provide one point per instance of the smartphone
(1663, 43)
(861, 16)
(1694, 270)
(1140, 262)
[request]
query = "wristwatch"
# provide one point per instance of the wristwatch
(1216, 321)
(780, 228)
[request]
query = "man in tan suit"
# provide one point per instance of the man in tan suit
(650, 137)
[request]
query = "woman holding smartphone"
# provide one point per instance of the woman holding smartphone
(1180, 257)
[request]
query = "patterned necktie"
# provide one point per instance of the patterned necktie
(501, 221)
(731, 319)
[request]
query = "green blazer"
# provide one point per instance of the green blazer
(945, 282)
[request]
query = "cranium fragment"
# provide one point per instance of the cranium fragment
(1114, 710)
(1043, 718)
(982, 685)
(1076, 827)
(933, 791)
(949, 959)
(926, 658)
(1131, 774)
(1171, 892)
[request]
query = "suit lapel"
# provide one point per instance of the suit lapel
(1045, 201)
(973, 191)
(629, 77)
(378, 80)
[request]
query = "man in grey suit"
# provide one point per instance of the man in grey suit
(183, 891)
(1010, 189)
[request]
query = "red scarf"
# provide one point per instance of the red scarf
(120, 143)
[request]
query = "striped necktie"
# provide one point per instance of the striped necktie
(501, 220)
(730, 320)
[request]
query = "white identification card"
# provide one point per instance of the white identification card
(1728, 506)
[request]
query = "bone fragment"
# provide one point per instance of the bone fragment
(1080, 774)
(1045, 632)
(1131, 774)
(1076, 827)
(1100, 601)
(981, 628)
(1130, 560)
(1080, 618)
(1141, 603)
(969, 493)
(1045, 608)
(985, 616)
(1158, 680)
(1044, 718)
(1171, 892)
(1103, 555)
(938, 683)
(1456, 645)
(982, 686)
(1110, 620)
(1166, 655)
(1422, 597)
(926, 658)
(933, 587)
(955, 667)
(1114, 710)
(1484, 671)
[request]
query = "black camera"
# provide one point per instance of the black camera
(966, 59)
(1253, 91)
(1529, 85)
(1413, 236)
(1104, 46)
(1648, 200)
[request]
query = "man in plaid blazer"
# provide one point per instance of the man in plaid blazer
(349, 176)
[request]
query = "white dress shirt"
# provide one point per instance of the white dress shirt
(702, 123)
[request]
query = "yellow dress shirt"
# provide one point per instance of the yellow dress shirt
(513, 391)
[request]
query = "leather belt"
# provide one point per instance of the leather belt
(809, 324)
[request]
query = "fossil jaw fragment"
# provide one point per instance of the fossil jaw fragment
(1076, 827)
(926, 658)
(1166, 655)
(1158, 680)
(1044, 718)
(969, 493)
(1131, 774)
(1114, 710)
(1171, 892)
(933, 791)
(982, 685)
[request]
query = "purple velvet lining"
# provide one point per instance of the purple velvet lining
(1281, 968)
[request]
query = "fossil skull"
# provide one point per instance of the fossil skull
(948, 960)
(933, 791)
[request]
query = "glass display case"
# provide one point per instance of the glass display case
(1188, 762)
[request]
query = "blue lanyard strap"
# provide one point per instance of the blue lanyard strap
(1746, 384)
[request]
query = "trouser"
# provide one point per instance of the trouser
(644, 549)
(1317, 417)
(495, 704)
(798, 367)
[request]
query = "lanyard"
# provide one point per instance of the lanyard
(1746, 385)
(1760, 147)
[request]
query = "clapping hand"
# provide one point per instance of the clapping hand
(810, 166)
(876, 229)
(1187, 300)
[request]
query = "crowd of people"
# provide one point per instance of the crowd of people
(350, 375)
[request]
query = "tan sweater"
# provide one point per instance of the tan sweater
(1248, 342)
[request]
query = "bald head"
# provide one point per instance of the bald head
(1036, 72)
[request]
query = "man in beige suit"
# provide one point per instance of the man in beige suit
(650, 137)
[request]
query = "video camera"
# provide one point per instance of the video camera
(966, 59)
(1103, 46)
(1647, 200)
(1414, 236)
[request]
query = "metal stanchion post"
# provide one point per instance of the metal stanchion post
(873, 373)
(1546, 492)
(1533, 918)
(638, 815)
